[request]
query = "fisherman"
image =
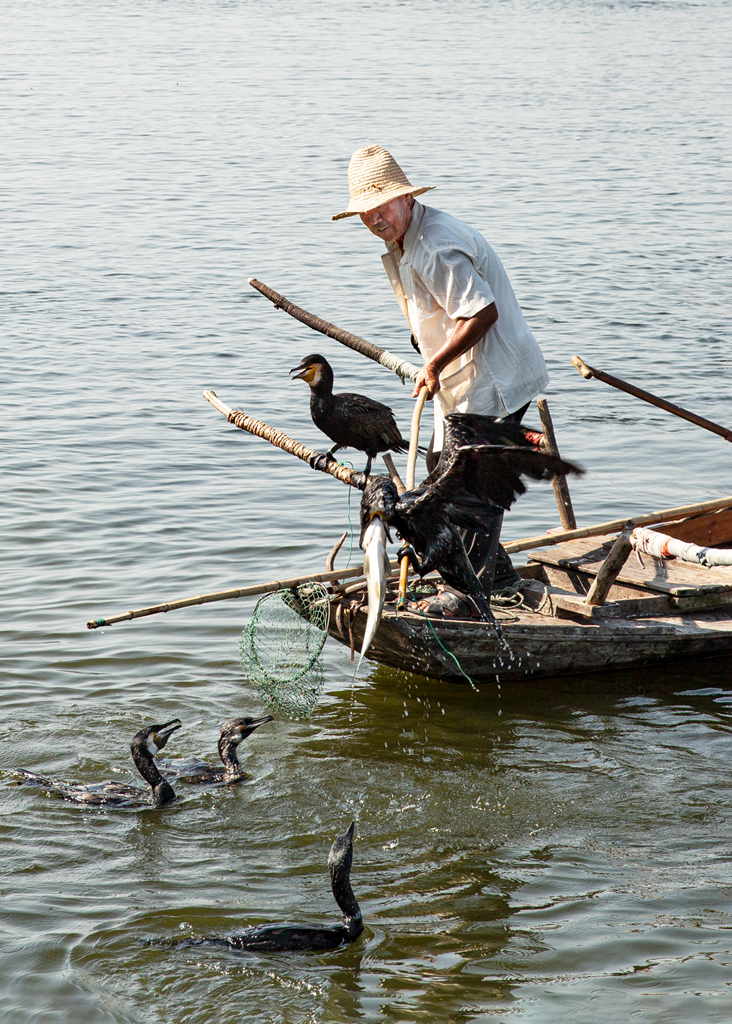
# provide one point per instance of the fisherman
(479, 354)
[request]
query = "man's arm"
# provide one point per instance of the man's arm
(463, 336)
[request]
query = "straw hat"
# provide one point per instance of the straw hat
(374, 177)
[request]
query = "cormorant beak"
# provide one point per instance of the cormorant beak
(256, 722)
(307, 373)
(163, 732)
(378, 514)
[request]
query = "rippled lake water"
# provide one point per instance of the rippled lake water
(555, 852)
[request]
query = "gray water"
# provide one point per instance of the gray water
(555, 852)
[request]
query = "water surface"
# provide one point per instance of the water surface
(557, 852)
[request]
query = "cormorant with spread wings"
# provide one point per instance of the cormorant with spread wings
(477, 477)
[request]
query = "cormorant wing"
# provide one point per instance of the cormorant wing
(466, 428)
(490, 474)
(366, 417)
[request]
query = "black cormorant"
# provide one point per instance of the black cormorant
(478, 475)
(195, 771)
(351, 421)
(145, 744)
(276, 938)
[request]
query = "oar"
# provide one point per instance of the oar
(398, 366)
(616, 525)
(228, 595)
(646, 396)
(411, 463)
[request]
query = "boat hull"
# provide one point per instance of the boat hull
(535, 647)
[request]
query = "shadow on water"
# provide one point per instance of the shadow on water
(597, 692)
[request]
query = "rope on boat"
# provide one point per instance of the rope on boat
(506, 603)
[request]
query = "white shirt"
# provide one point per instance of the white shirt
(447, 272)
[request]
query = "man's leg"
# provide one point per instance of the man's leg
(504, 573)
(490, 562)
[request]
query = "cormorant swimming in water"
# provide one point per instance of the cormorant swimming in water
(276, 938)
(194, 771)
(145, 744)
(350, 420)
(477, 476)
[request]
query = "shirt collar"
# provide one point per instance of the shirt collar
(409, 238)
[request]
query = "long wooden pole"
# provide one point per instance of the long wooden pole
(661, 403)
(398, 366)
(228, 595)
(559, 480)
(411, 464)
(616, 525)
(277, 438)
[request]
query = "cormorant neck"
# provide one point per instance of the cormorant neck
(353, 926)
(146, 766)
(228, 755)
(323, 388)
(346, 900)
(163, 793)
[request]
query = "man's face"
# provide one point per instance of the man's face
(390, 220)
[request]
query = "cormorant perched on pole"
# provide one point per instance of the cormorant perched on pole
(350, 420)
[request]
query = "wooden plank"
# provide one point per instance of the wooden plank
(611, 568)
(680, 579)
(616, 525)
(711, 530)
(547, 600)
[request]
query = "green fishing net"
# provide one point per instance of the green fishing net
(280, 649)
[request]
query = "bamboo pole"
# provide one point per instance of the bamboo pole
(411, 464)
(616, 525)
(277, 438)
(228, 595)
(646, 396)
(398, 366)
(559, 480)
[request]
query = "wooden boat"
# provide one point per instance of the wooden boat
(657, 610)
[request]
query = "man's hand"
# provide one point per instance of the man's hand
(463, 336)
(428, 377)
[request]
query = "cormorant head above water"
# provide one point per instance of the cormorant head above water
(144, 746)
(196, 771)
(340, 859)
(279, 938)
(349, 420)
(231, 735)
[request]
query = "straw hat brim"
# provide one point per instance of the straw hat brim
(367, 203)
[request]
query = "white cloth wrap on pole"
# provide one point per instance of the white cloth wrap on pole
(660, 545)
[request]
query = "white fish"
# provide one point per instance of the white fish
(376, 571)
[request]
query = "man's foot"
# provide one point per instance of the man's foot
(444, 605)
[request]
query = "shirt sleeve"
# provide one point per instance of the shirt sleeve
(454, 283)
